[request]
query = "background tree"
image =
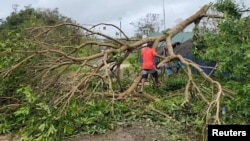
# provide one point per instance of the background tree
(149, 24)
(228, 45)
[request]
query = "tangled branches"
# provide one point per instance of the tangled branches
(76, 62)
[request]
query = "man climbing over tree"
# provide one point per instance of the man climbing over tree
(148, 55)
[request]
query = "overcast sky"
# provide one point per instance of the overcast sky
(113, 11)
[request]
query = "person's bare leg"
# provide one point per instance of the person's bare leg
(157, 82)
(142, 84)
(156, 79)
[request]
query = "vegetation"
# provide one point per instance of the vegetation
(149, 24)
(230, 49)
(56, 82)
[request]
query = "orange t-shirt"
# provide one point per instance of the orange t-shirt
(148, 55)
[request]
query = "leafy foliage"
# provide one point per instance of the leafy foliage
(228, 7)
(230, 47)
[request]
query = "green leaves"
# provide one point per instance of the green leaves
(5, 125)
(28, 93)
(42, 127)
(228, 7)
(51, 130)
(23, 111)
(68, 130)
(230, 47)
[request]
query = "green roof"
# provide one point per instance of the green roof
(182, 37)
(179, 37)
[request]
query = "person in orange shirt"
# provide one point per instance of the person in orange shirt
(148, 55)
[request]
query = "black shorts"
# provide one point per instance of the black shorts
(145, 73)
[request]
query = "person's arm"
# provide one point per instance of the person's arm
(157, 55)
(160, 56)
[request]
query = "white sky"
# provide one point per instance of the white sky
(113, 11)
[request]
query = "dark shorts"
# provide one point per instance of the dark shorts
(145, 73)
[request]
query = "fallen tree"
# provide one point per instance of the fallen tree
(71, 65)
(62, 57)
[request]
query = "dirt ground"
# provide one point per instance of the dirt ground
(137, 131)
(133, 133)
(143, 131)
